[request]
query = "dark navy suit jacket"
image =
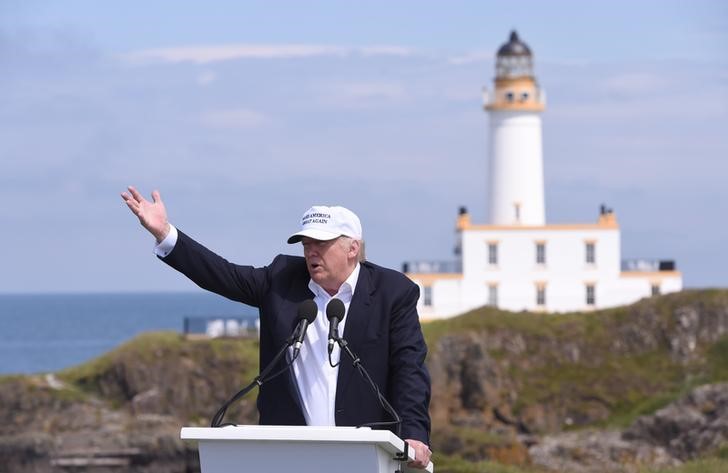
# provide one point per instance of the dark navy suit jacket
(382, 328)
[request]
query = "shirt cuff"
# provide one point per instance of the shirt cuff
(165, 247)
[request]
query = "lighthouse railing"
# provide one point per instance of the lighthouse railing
(432, 267)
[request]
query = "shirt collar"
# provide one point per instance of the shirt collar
(346, 289)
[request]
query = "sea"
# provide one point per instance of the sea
(42, 333)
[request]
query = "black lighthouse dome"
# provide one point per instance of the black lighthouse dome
(514, 47)
(515, 59)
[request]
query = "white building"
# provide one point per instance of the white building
(517, 261)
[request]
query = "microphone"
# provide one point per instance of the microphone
(307, 312)
(334, 312)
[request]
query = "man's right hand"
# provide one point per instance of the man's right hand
(152, 215)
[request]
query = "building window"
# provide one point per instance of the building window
(492, 253)
(655, 289)
(509, 96)
(517, 209)
(541, 295)
(428, 296)
(540, 253)
(591, 253)
(493, 295)
(591, 298)
(524, 96)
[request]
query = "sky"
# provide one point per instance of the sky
(245, 113)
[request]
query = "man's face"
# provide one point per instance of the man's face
(329, 262)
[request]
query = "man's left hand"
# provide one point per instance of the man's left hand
(422, 454)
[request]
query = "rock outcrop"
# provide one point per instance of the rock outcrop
(688, 428)
(123, 412)
(594, 451)
(683, 430)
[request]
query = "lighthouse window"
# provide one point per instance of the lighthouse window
(492, 253)
(493, 295)
(591, 253)
(428, 296)
(590, 295)
(541, 295)
(540, 253)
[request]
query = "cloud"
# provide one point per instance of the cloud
(240, 118)
(472, 57)
(363, 91)
(229, 52)
(636, 83)
(656, 108)
(206, 78)
(385, 51)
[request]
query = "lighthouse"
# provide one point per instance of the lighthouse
(517, 260)
(515, 187)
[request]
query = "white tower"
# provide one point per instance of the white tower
(516, 157)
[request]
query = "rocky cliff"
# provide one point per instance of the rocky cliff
(510, 383)
(122, 412)
(603, 391)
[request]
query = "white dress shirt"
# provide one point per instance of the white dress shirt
(165, 247)
(315, 377)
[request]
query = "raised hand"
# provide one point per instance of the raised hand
(152, 215)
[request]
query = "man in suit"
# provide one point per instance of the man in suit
(381, 323)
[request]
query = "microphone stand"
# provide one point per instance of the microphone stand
(356, 361)
(258, 381)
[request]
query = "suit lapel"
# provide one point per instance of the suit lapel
(298, 292)
(355, 329)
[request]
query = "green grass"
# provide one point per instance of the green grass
(456, 464)
(722, 452)
(489, 319)
(150, 354)
(141, 348)
(12, 378)
(707, 465)
(155, 347)
(717, 361)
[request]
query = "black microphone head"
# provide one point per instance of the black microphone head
(307, 310)
(335, 309)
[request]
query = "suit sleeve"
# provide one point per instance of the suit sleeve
(409, 378)
(214, 273)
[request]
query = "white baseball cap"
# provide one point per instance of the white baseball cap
(326, 223)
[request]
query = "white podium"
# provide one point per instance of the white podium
(273, 449)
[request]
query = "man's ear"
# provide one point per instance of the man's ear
(354, 249)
